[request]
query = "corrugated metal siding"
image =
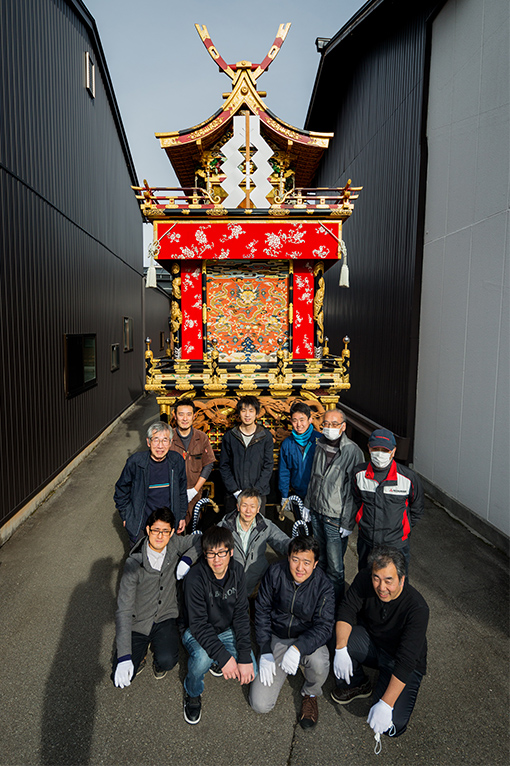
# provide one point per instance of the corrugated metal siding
(71, 246)
(376, 115)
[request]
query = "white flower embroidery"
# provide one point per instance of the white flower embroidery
(321, 252)
(234, 232)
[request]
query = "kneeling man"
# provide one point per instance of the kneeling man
(217, 620)
(294, 618)
(382, 623)
(252, 532)
(147, 608)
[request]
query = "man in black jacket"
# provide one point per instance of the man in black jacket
(216, 619)
(246, 457)
(294, 617)
(152, 480)
(382, 623)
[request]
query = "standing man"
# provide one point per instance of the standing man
(195, 448)
(329, 495)
(151, 480)
(382, 623)
(216, 620)
(252, 533)
(388, 497)
(297, 453)
(246, 457)
(147, 606)
(294, 617)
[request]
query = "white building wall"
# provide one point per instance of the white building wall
(463, 403)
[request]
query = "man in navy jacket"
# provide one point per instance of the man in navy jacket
(294, 616)
(152, 480)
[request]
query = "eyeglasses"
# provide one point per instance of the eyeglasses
(160, 441)
(328, 424)
(162, 532)
(213, 554)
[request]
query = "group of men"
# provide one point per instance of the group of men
(303, 618)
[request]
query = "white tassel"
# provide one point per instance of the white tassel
(150, 279)
(344, 271)
(344, 275)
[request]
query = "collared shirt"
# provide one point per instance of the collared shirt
(156, 558)
(244, 534)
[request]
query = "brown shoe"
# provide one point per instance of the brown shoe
(309, 712)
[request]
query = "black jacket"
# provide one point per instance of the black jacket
(242, 467)
(305, 612)
(210, 609)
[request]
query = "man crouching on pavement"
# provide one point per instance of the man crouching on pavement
(147, 608)
(382, 623)
(294, 617)
(216, 619)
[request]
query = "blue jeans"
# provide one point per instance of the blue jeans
(199, 661)
(332, 550)
(364, 652)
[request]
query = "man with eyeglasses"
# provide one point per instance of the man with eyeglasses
(329, 496)
(147, 607)
(216, 621)
(152, 480)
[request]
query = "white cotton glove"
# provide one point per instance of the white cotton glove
(191, 494)
(342, 665)
(305, 514)
(267, 669)
(290, 661)
(380, 717)
(344, 532)
(123, 673)
(236, 494)
(182, 569)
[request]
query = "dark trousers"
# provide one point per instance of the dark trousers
(364, 652)
(164, 638)
(365, 549)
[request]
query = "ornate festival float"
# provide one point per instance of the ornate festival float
(247, 241)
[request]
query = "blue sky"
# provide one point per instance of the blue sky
(165, 80)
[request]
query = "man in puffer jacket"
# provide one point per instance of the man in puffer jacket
(251, 533)
(294, 617)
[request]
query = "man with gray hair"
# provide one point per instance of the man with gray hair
(150, 480)
(329, 496)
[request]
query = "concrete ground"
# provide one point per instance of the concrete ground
(58, 580)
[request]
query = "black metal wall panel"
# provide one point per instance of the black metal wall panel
(157, 310)
(71, 238)
(371, 93)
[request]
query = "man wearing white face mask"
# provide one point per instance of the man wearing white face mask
(389, 499)
(329, 496)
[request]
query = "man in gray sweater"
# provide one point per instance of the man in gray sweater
(147, 608)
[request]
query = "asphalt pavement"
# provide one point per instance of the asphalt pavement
(59, 575)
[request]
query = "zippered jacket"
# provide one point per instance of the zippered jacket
(305, 612)
(199, 454)
(254, 561)
(386, 512)
(242, 467)
(132, 489)
(147, 595)
(330, 490)
(211, 608)
(295, 466)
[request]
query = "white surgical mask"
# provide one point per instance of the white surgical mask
(381, 459)
(331, 433)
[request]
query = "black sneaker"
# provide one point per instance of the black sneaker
(157, 672)
(192, 709)
(345, 694)
(215, 670)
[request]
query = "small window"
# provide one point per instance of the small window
(80, 363)
(115, 357)
(128, 334)
(161, 341)
(90, 75)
